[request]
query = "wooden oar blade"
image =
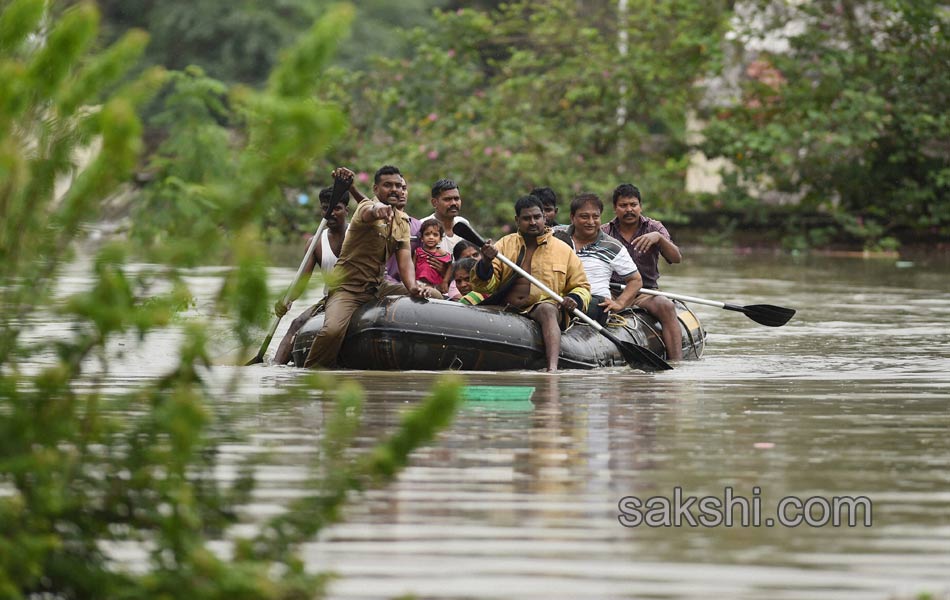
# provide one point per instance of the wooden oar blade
(254, 361)
(768, 315)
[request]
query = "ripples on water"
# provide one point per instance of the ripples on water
(519, 499)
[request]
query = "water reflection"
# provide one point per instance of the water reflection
(518, 499)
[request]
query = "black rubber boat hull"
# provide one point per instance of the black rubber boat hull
(402, 333)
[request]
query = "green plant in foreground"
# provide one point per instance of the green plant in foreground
(82, 470)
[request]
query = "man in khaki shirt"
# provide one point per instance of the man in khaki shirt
(377, 231)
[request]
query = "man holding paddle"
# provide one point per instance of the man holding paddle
(377, 231)
(325, 255)
(540, 255)
(646, 239)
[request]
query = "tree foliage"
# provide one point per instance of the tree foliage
(81, 469)
(239, 41)
(850, 115)
(508, 99)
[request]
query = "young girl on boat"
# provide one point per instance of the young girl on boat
(431, 232)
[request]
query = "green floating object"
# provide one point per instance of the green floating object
(499, 397)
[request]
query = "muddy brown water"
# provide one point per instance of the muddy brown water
(521, 498)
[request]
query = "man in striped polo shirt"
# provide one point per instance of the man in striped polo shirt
(601, 255)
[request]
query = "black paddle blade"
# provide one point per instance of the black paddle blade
(254, 361)
(468, 234)
(765, 314)
(638, 357)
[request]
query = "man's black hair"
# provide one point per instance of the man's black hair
(586, 198)
(546, 195)
(626, 190)
(527, 202)
(385, 170)
(443, 185)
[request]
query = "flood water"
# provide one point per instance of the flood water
(519, 497)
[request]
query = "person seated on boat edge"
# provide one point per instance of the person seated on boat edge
(549, 203)
(431, 233)
(543, 256)
(601, 255)
(377, 230)
(463, 281)
(325, 255)
(646, 239)
(464, 249)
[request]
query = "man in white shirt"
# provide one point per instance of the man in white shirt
(601, 255)
(447, 202)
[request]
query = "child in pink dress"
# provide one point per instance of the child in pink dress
(431, 232)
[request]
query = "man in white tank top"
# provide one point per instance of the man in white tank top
(325, 255)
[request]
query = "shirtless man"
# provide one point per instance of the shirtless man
(325, 255)
(545, 257)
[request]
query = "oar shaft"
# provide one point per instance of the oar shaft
(683, 298)
(577, 312)
(311, 248)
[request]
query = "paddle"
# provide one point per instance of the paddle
(636, 356)
(340, 187)
(764, 314)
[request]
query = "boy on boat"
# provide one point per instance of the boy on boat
(545, 257)
(646, 239)
(549, 202)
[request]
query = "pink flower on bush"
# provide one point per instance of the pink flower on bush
(489, 150)
(433, 154)
(506, 228)
(451, 53)
(362, 176)
(433, 117)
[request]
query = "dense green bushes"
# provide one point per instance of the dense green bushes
(80, 468)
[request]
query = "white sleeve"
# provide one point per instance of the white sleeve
(623, 265)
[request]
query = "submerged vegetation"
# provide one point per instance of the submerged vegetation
(82, 469)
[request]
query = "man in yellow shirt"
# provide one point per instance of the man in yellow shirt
(548, 259)
(377, 231)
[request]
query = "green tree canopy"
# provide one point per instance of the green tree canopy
(536, 93)
(850, 116)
